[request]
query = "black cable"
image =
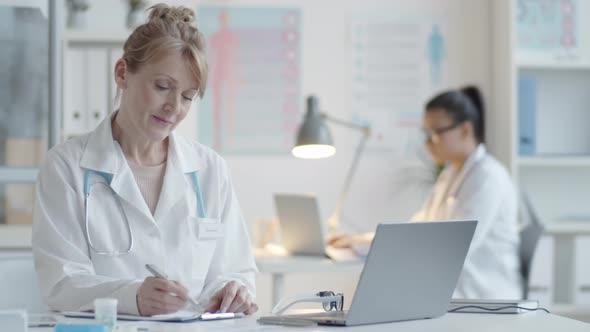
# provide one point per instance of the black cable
(497, 309)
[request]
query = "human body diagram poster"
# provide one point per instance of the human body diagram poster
(396, 65)
(547, 25)
(252, 102)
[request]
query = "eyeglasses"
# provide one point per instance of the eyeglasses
(337, 305)
(433, 135)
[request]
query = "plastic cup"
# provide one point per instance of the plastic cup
(105, 312)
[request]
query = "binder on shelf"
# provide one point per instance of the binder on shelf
(527, 106)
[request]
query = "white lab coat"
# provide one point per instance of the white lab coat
(481, 190)
(71, 275)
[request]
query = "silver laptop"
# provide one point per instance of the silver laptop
(410, 273)
(302, 230)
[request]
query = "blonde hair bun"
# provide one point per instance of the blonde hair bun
(168, 28)
(171, 14)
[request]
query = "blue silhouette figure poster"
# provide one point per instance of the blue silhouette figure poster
(436, 54)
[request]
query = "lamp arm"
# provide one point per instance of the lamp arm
(334, 220)
(352, 125)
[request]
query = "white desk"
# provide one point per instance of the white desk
(564, 265)
(278, 266)
(564, 257)
(535, 321)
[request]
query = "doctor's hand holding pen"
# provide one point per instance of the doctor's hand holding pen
(158, 296)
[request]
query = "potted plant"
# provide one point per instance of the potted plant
(136, 14)
(77, 13)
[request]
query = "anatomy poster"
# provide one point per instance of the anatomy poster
(396, 65)
(253, 93)
(547, 24)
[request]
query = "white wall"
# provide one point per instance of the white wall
(381, 190)
(376, 195)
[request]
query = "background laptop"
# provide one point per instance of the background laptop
(410, 273)
(302, 230)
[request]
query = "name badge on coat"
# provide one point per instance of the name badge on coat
(209, 228)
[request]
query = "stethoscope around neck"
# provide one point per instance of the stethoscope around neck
(449, 200)
(107, 182)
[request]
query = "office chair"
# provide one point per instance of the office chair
(19, 288)
(529, 238)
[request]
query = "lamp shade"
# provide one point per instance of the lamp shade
(314, 140)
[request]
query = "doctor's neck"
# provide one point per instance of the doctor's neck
(464, 153)
(135, 146)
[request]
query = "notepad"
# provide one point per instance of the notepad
(493, 306)
(180, 316)
(42, 320)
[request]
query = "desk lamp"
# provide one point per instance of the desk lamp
(314, 141)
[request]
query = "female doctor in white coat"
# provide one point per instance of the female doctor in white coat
(473, 185)
(132, 192)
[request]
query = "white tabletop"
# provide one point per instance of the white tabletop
(304, 264)
(535, 321)
(566, 227)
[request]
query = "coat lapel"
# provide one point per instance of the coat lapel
(449, 185)
(182, 161)
(125, 186)
(103, 154)
(467, 167)
(173, 188)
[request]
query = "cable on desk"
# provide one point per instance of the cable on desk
(497, 309)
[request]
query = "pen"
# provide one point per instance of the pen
(156, 272)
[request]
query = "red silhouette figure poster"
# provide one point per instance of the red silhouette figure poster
(252, 100)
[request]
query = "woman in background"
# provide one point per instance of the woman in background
(473, 185)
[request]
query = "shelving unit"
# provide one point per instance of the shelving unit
(561, 121)
(15, 237)
(72, 36)
(554, 161)
(89, 90)
(552, 65)
(554, 170)
(561, 130)
(87, 96)
(30, 77)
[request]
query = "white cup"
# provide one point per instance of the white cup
(105, 312)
